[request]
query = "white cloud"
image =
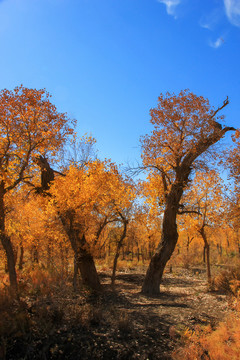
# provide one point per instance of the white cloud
(216, 44)
(171, 6)
(209, 21)
(232, 8)
(205, 25)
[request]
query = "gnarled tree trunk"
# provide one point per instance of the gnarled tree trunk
(87, 267)
(83, 257)
(166, 246)
(173, 195)
(7, 245)
(77, 239)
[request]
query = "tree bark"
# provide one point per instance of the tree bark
(20, 264)
(35, 255)
(204, 254)
(78, 241)
(82, 253)
(173, 195)
(7, 245)
(151, 284)
(87, 269)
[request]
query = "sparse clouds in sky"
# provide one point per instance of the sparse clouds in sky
(217, 43)
(213, 18)
(232, 8)
(210, 20)
(171, 6)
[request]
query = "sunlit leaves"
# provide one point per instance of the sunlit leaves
(30, 125)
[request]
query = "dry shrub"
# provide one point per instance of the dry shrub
(186, 260)
(223, 343)
(84, 314)
(47, 315)
(207, 344)
(40, 281)
(14, 319)
(228, 281)
(123, 322)
(91, 315)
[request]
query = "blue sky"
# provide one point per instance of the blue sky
(106, 61)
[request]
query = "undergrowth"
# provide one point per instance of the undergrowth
(223, 342)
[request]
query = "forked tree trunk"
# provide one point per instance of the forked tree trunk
(78, 242)
(82, 255)
(173, 195)
(189, 240)
(119, 246)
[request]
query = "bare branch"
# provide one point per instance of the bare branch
(225, 103)
(181, 212)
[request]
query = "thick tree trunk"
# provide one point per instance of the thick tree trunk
(82, 253)
(119, 246)
(88, 270)
(173, 191)
(169, 238)
(165, 249)
(7, 245)
(85, 263)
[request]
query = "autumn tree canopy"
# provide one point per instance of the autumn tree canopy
(30, 125)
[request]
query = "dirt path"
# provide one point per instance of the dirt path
(120, 325)
(151, 324)
(184, 299)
